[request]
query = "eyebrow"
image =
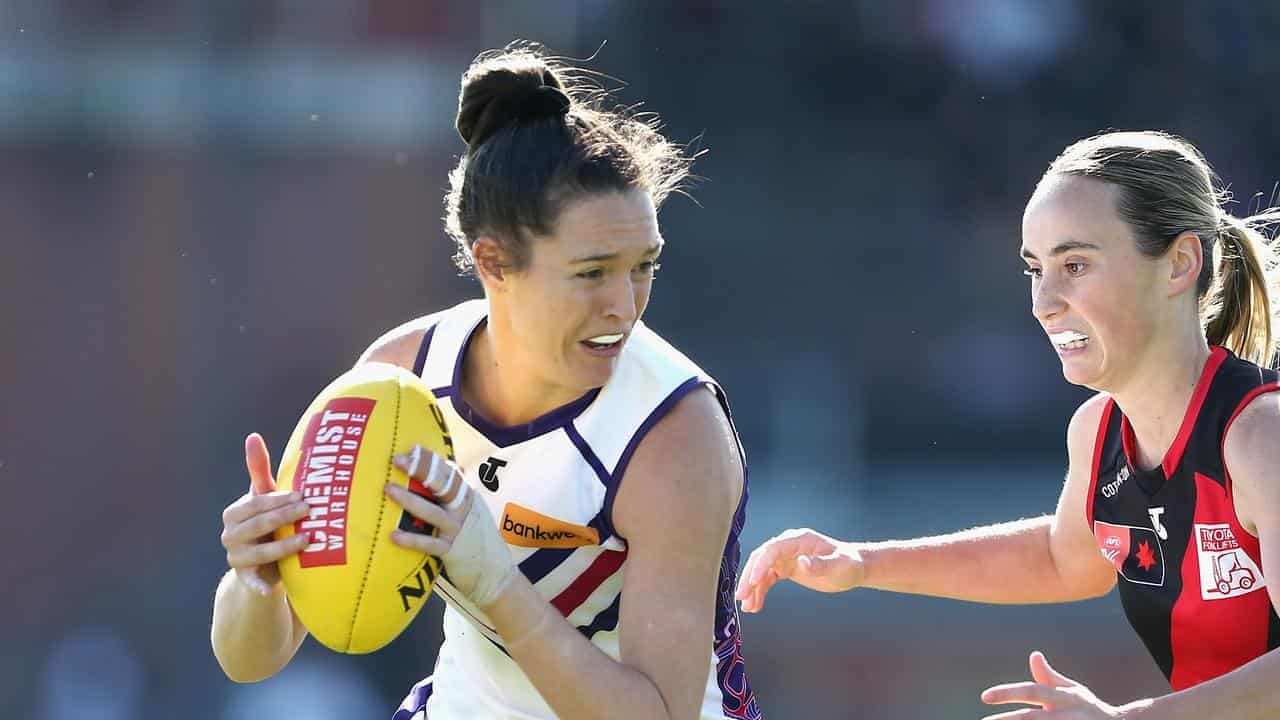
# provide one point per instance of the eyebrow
(1062, 247)
(604, 257)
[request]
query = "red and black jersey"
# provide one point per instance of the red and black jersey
(1190, 576)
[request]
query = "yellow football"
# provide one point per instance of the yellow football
(352, 588)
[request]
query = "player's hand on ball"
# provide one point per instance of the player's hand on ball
(475, 556)
(249, 523)
(1056, 695)
(803, 556)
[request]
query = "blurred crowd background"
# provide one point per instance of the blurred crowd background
(208, 209)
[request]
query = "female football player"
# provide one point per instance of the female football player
(1155, 296)
(590, 572)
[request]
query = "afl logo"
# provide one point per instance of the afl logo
(1110, 489)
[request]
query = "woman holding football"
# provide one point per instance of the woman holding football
(566, 411)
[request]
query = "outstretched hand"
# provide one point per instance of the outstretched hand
(1058, 697)
(803, 556)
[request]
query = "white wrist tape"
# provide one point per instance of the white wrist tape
(479, 562)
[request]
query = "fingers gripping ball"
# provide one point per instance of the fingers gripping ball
(352, 588)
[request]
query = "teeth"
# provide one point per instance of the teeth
(605, 339)
(1068, 337)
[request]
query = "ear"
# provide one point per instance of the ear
(1186, 259)
(490, 261)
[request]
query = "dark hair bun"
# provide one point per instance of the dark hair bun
(539, 134)
(512, 89)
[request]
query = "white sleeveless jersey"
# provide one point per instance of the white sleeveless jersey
(550, 485)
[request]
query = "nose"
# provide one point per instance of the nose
(620, 300)
(1046, 299)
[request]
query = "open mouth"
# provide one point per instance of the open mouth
(604, 342)
(1068, 340)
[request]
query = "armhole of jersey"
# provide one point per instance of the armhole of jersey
(1222, 451)
(1098, 443)
(619, 470)
(420, 363)
(723, 399)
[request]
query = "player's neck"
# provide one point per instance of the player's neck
(1157, 397)
(502, 388)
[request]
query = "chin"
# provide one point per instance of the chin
(1080, 379)
(1089, 376)
(594, 375)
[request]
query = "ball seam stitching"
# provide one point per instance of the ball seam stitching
(395, 437)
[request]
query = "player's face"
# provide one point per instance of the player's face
(1093, 293)
(574, 306)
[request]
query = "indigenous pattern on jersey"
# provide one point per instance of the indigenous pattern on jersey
(1190, 577)
(550, 485)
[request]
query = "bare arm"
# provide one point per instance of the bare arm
(1250, 692)
(277, 633)
(1046, 559)
(255, 632)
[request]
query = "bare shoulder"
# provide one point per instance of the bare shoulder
(1256, 426)
(1251, 448)
(398, 346)
(687, 463)
(1082, 431)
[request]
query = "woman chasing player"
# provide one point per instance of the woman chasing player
(1159, 299)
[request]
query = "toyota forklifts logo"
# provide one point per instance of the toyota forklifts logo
(1226, 571)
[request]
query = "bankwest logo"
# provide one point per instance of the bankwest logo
(528, 528)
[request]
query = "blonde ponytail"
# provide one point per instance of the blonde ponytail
(1238, 311)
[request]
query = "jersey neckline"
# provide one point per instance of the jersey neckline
(507, 435)
(1169, 463)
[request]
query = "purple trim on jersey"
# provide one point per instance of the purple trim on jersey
(446, 391)
(415, 701)
(587, 453)
(737, 699)
(540, 563)
(606, 620)
(658, 413)
(456, 379)
(421, 361)
(508, 436)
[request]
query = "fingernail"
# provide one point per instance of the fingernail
(400, 461)
(295, 496)
(303, 538)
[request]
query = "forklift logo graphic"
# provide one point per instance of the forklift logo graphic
(1225, 570)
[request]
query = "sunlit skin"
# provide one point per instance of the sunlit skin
(591, 277)
(1146, 346)
(1127, 325)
